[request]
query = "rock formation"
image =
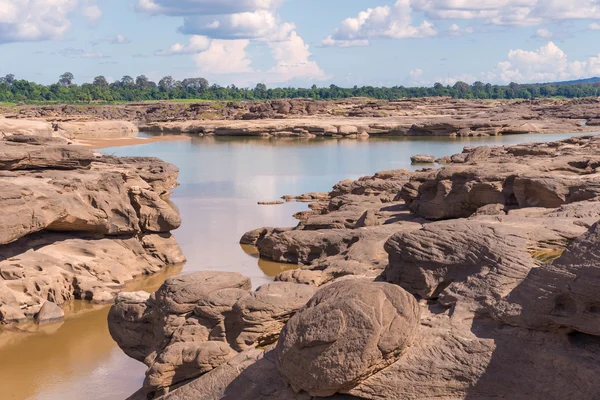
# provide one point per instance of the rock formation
(354, 118)
(195, 323)
(478, 280)
(78, 225)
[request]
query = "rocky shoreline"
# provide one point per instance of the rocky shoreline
(350, 118)
(78, 225)
(477, 280)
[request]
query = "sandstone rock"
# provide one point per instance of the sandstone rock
(11, 315)
(182, 361)
(27, 155)
(71, 229)
(479, 259)
(538, 175)
(197, 322)
(25, 127)
(422, 159)
(263, 314)
(348, 331)
(560, 296)
(479, 359)
(251, 375)
(49, 313)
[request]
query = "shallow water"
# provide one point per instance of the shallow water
(222, 179)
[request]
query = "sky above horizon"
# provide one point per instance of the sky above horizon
(302, 42)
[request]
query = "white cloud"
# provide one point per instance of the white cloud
(594, 26)
(455, 30)
(204, 7)
(195, 44)
(509, 12)
(92, 13)
(247, 25)
(549, 63)
(222, 32)
(397, 21)
(292, 57)
(329, 41)
(546, 64)
(543, 33)
(224, 57)
(380, 22)
(230, 58)
(35, 20)
(416, 73)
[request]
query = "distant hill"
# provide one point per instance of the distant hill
(579, 81)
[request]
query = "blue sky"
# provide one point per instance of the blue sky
(301, 42)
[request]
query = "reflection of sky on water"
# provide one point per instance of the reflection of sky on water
(222, 179)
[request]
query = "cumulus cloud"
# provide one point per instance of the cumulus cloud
(195, 44)
(224, 57)
(546, 64)
(397, 21)
(247, 25)
(292, 58)
(223, 30)
(204, 7)
(35, 20)
(549, 63)
(380, 22)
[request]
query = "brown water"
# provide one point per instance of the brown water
(222, 179)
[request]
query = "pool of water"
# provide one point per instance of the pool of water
(222, 179)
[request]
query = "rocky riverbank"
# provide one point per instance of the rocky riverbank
(78, 225)
(476, 280)
(308, 118)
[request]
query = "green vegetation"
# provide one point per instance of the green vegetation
(141, 88)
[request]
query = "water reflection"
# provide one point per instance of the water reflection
(269, 268)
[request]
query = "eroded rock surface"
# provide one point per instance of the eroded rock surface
(75, 224)
(357, 325)
(478, 280)
(195, 323)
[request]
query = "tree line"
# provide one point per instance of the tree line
(129, 89)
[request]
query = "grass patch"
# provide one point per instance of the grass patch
(7, 104)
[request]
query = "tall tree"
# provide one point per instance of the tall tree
(66, 79)
(166, 83)
(100, 81)
(127, 81)
(142, 82)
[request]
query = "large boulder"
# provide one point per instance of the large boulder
(347, 331)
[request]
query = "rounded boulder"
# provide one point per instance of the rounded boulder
(348, 331)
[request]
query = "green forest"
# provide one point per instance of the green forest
(128, 89)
